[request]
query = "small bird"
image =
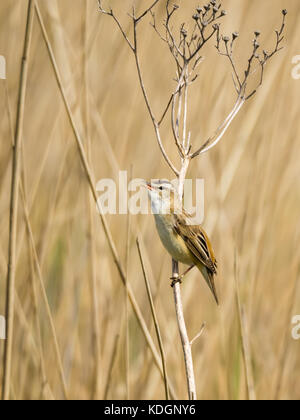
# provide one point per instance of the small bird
(186, 243)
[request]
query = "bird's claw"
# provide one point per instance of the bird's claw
(175, 280)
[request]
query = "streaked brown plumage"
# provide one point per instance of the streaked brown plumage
(199, 245)
(188, 244)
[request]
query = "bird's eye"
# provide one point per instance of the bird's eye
(161, 188)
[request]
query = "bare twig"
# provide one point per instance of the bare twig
(10, 288)
(155, 320)
(175, 124)
(197, 336)
(147, 11)
(166, 109)
(225, 48)
(217, 136)
(134, 48)
(110, 13)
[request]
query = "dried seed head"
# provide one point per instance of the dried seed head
(225, 39)
(223, 13)
(256, 44)
(213, 2)
(284, 12)
(175, 6)
(257, 33)
(196, 16)
(215, 9)
(184, 33)
(215, 26)
(199, 10)
(235, 35)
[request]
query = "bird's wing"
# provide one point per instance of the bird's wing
(197, 241)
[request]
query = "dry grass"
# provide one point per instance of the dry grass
(252, 211)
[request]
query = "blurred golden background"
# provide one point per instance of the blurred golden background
(252, 202)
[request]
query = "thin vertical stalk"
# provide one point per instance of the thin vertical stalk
(111, 365)
(187, 350)
(186, 345)
(243, 324)
(45, 382)
(186, 87)
(45, 301)
(155, 320)
(11, 273)
(23, 192)
(127, 343)
(91, 229)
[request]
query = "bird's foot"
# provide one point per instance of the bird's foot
(176, 280)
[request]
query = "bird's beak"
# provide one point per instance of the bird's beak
(148, 186)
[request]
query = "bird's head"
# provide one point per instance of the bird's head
(163, 195)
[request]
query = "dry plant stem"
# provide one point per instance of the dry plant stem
(94, 295)
(221, 130)
(33, 194)
(26, 328)
(111, 365)
(45, 300)
(245, 338)
(46, 389)
(127, 343)
(154, 121)
(45, 382)
(14, 205)
(134, 48)
(187, 350)
(225, 48)
(91, 228)
(91, 182)
(38, 346)
(197, 336)
(155, 320)
(186, 345)
(58, 192)
(247, 354)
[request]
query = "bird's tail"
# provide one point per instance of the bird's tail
(209, 278)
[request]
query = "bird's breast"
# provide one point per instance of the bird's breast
(173, 243)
